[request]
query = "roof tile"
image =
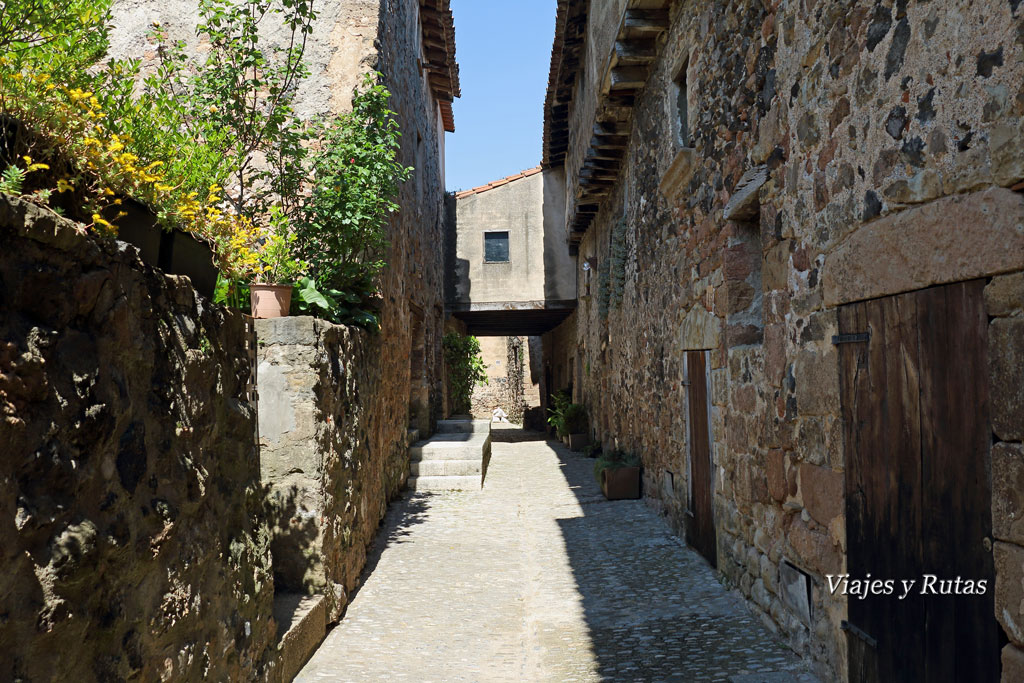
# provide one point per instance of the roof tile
(498, 183)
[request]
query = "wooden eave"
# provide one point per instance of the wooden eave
(570, 30)
(442, 70)
(637, 45)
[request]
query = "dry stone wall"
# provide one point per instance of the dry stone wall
(869, 118)
(133, 543)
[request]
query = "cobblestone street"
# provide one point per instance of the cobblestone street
(538, 578)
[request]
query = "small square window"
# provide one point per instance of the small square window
(496, 247)
(682, 114)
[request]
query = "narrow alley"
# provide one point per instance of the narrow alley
(538, 578)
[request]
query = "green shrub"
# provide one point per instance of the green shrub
(614, 460)
(576, 419)
(561, 400)
(465, 369)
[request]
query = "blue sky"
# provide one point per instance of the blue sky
(504, 52)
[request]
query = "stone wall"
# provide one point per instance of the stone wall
(887, 133)
(1004, 303)
(133, 543)
(411, 287)
(494, 352)
(324, 453)
(351, 38)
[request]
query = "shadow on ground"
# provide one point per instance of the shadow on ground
(402, 514)
(654, 608)
(510, 433)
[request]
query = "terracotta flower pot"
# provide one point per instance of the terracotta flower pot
(270, 301)
(622, 483)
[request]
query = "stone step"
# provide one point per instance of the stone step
(463, 426)
(441, 468)
(451, 447)
(301, 626)
(470, 483)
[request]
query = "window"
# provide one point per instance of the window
(682, 113)
(496, 247)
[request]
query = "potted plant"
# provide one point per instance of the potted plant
(276, 271)
(556, 414)
(618, 473)
(577, 426)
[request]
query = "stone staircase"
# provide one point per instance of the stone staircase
(455, 458)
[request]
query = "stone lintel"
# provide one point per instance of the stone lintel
(744, 204)
(948, 240)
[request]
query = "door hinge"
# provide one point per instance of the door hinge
(850, 628)
(851, 338)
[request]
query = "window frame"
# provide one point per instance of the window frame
(508, 245)
(681, 91)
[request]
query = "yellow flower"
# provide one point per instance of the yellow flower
(77, 95)
(98, 220)
(65, 185)
(30, 167)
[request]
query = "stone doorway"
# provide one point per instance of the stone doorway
(700, 517)
(915, 402)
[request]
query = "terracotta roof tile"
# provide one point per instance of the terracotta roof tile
(498, 183)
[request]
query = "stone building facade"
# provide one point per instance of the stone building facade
(139, 541)
(412, 44)
(745, 184)
(134, 541)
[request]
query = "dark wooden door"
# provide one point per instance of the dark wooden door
(700, 530)
(918, 484)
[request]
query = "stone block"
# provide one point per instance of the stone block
(1008, 492)
(917, 248)
(822, 492)
(774, 353)
(701, 329)
(921, 187)
(817, 382)
(1009, 597)
(1006, 377)
(776, 467)
(298, 329)
(1013, 664)
(1004, 296)
(775, 269)
(1006, 145)
(750, 485)
(816, 550)
(301, 626)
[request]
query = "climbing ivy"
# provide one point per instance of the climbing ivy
(617, 274)
(465, 369)
(514, 399)
(603, 289)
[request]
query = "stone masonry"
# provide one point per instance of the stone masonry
(138, 541)
(134, 540)
(322, 388)
(832, 152)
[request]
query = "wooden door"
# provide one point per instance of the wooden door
(918, 483)
(700, 528)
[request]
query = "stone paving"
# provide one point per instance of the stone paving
(538, 578)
